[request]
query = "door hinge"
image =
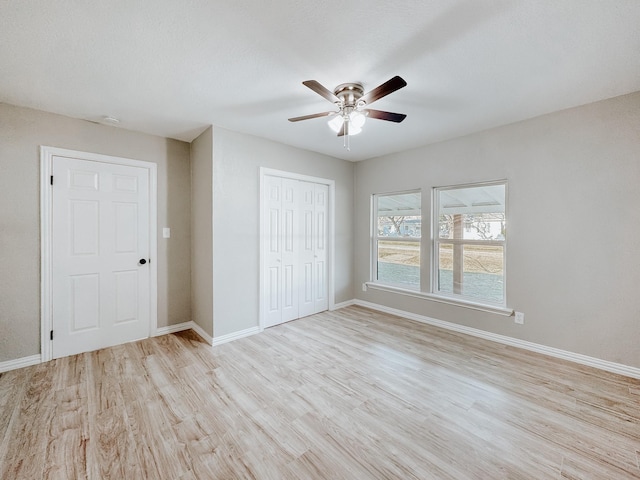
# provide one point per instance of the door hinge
(51, 179)
(51, 335)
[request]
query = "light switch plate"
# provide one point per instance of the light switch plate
(166, 232)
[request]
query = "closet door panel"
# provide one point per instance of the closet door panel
(290, 249)
(307, 248)
(321, 209)
(272, 294)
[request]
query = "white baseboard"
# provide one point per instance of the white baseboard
(340, 305)
(200, 331)
(235, 335)
(514, 342)
(179, 327)
(20, 363)
(36, 359)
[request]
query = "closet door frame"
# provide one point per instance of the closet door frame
(264, 172)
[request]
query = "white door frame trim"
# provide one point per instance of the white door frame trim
(331, 232)
(46, 169)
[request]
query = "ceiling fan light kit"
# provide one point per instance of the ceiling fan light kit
(355, 119)
(351, 102)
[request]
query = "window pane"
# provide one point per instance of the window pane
(445, 268)
(479, 226)
(480, 267)
(483, 272)
(399, 226)
(398, 263)
(399, 215)
(472, 213)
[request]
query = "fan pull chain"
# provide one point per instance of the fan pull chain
(346, 143)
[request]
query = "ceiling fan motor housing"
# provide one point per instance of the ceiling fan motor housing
(349, 95)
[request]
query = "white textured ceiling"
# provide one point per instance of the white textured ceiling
(172, 67)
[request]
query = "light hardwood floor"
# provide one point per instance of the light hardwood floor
(351, 394)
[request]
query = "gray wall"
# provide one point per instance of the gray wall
(202, 230)
(236, 187)
(573, 262)
(572, 235)
(22, 132)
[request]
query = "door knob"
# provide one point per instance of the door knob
(142, 261)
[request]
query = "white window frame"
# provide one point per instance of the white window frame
(435, 229)
(375, 239)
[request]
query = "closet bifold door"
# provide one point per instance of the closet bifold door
(281, 253)
(290, 249)
(273, 251)
(295, 265)
(313, 248)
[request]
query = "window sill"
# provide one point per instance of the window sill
(507, 312)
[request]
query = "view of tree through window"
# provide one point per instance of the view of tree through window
(398, 224)
(470, 242)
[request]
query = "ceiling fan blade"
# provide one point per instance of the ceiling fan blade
(390, 86)
(389, 116)
(344, 130)
(321, 90)
(313, 115)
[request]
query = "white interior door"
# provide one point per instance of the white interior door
(280, 283)
(295, 281)
(313, 248)
(290, 250)
(100, 255)
(321, 255)
(272, 204)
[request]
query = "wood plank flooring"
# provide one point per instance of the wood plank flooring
(351, 394)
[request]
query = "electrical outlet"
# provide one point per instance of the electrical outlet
(364, 287)
(519, 319)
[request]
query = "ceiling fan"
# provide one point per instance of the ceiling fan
(351, 102)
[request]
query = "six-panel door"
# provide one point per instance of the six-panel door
(100, 234)
(295, 249)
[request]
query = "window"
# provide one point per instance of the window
(470, 241)
(397, 227)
